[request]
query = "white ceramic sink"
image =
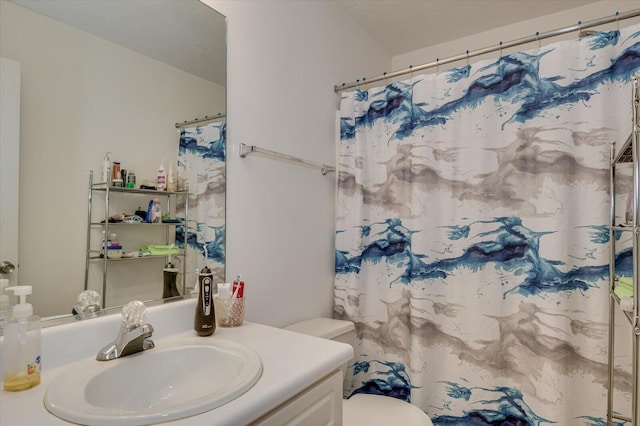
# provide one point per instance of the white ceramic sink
(174, 380)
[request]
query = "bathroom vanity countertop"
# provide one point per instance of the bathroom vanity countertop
(291, 362)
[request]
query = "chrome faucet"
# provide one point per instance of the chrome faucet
(133, 336)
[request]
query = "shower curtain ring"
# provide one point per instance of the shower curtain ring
(579, 29)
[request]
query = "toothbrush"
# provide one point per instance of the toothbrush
(234, 296)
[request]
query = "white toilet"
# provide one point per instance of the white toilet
(362, 409)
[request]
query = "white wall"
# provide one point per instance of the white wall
(82, 96)
(283, 59)
(516, 31)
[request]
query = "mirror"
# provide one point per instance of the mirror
(108, 76)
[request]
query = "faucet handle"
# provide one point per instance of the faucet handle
(133, 314)
(88, 303)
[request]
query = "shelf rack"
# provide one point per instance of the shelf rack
(628, 153)
(95, 255)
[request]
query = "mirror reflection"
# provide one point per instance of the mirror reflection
(115, 77)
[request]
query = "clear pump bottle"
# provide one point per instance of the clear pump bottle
(106, 168)
(22, 341)
(4, 302)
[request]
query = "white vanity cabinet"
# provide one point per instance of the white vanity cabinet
(301, 382)
(318, 405)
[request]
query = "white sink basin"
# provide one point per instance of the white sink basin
(175, 380)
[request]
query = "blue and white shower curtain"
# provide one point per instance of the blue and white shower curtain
(471, 234)
(202, 164)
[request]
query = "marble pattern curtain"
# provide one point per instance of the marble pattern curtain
(471, 233)
(202, 163)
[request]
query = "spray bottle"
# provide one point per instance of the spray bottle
(22, 341)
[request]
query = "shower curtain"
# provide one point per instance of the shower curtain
(471, 234)
(202, 164)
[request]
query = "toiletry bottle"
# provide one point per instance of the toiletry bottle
(156, 211)
(106, 167)
(161, 183)
(205, 323)
(172, 181)
(131, 179)
(115, 171)
(628, 214)
(4, 302)
(21, 345)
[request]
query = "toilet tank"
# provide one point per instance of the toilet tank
(327, 328)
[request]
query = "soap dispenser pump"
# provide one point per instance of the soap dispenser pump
(22, 341)
(106, 168)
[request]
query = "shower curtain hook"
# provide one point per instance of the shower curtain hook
(364, 82)
(500, 49)
(579, 29)
(386, 79)
(538, 38)
(467, 57)
(618, 20)
(437, 66)
(411, 72)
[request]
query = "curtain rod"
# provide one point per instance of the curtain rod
(469, 54)
(204, 120)
(248, 149)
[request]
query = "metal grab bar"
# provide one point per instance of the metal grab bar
(249, 149)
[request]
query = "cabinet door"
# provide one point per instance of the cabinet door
(318, 405)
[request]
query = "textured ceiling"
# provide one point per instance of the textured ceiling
(406, 25)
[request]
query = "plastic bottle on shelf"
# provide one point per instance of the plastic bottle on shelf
(22, 342)
(106, 167)
(172, 181)
(156, 211)
(4, 302)
(115, 170)
(161, 182)
(131, 179)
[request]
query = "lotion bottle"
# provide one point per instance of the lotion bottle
(171, 180)
(205, 323)
(22, 341)
(161, 183)
(4, 302)
(106, 168)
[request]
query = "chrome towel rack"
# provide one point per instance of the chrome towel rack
(250, 149)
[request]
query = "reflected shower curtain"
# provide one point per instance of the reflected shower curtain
(202, 163)
(471, 233)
